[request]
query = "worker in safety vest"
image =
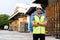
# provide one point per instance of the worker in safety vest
(39, 23)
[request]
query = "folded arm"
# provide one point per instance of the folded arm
(34, 23)
(43, 23)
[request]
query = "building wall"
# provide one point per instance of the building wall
(53, 16)
(14, 25)
(28, 20)
(22, 20)
(18, 25)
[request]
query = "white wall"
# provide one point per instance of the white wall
(28, 20)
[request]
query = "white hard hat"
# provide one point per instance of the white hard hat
(38, 6)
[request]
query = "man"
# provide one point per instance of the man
(39, 22)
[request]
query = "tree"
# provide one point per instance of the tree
(4, 20)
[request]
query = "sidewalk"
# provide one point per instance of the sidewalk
(13, 35)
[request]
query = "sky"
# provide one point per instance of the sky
(7, 6)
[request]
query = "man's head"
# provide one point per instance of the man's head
(39, 9)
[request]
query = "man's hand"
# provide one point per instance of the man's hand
(35, 24)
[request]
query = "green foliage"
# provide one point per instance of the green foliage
(4, 19)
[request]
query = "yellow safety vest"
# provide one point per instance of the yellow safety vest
(39, 29)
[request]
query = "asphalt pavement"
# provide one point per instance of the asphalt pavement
(14, 35)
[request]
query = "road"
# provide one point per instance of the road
(14, 35)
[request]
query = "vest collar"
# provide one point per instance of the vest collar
(39, 15)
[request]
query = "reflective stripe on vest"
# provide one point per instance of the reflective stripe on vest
(39, 29)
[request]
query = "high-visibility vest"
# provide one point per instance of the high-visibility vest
(39, 29)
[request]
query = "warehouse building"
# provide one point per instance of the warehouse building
(19, 18)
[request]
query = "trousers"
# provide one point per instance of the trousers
(38, 36)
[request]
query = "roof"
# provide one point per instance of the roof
(24, 8)
(20, 8)
(32, 0)
(43, 2)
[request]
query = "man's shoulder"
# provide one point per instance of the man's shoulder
(43, 15)
(34, 15)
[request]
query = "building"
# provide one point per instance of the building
(19, 18)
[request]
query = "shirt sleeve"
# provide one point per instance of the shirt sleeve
(45, 19)
(33, 18)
